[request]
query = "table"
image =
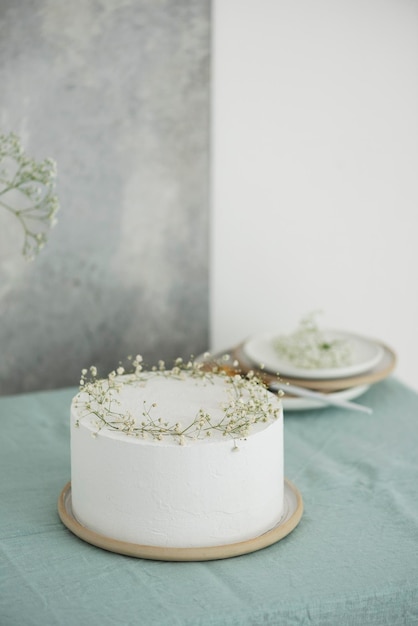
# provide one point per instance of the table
(353, 559)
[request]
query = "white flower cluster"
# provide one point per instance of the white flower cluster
(27, 190)
(309, 347)
(248, 402)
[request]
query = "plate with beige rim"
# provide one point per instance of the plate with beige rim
(292, 513)
(386, 365)
(363, 354)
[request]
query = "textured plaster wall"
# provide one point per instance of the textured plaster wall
(118, 94)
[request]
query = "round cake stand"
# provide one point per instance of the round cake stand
(292, 513)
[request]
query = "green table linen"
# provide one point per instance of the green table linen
(353, 559)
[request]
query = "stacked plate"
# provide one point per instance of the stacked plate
(371, 361)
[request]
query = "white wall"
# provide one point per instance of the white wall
(315, 161)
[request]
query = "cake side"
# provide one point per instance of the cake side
(180, 486)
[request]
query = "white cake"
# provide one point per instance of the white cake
(178, 458)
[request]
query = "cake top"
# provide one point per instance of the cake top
(190, 401)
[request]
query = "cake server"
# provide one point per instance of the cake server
(323, 398)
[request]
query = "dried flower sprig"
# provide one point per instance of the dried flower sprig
(248, 402)
(27, 190)
(310, 347)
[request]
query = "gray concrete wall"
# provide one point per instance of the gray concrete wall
(117, 92)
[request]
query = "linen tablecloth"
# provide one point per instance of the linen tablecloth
(353, 559)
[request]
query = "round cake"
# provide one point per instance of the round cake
(176, 458)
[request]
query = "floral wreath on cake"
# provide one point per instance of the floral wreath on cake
(248, 401)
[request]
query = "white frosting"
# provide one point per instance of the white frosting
(207, 492)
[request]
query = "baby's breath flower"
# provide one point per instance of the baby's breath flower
(309, 347)
(27, 190)
(247, 403)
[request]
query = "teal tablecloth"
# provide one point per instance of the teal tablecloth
(353, 559)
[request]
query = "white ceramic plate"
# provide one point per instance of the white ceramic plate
(303, 404)
(366, 354)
